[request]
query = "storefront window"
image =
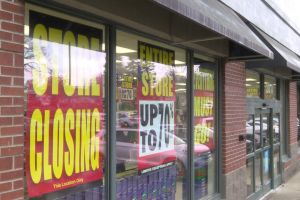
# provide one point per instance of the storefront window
(270, 87)
(267, 166)
(151, 119)
(251, 138)
(64, 87)
(204, 133)
(252, 84)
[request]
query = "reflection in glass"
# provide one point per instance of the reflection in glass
(276, 162)
(204, 147)
(256, 126)
(250, 140)
(249, 176)
(276, 128)
(151, 120)
(265, 129)
(257, 169)
(266, 166)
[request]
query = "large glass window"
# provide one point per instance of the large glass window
(252, 84)
(64, 88)
(151, 119)
(270, 87)
(204, 132)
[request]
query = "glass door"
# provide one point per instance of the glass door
(263, 152)
(266, 151)
(277, 167)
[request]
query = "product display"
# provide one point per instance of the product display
(159, 184)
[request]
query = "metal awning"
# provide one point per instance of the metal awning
(261, 14)
(219, 18)
(291, 59)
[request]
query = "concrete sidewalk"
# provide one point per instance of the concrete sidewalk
(287, 191)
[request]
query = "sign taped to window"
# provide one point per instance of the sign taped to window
(64, 69)
(204, 107)
(156, 100)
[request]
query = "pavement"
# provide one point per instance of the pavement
(289, 190)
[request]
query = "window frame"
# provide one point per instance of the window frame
(109, 35)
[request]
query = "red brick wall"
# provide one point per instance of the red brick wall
(234, 116)
(292, 122)
(11, 99)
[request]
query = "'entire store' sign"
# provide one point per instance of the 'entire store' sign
(156, 107)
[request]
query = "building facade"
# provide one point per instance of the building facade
(153, 99)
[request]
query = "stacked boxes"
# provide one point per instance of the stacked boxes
(201, 177)
(160, 184)
(122, 189)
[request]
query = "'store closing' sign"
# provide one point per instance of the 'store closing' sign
(156, 107)
(64, 69)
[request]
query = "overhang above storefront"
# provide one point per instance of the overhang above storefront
(283, 57)
(292, 60)
(208, 27)
(218, 17)
(260, 13)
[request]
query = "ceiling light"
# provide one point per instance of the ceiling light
(178, 62)
(26, 30)
(250, 79)
(121, 50)
(179, 90)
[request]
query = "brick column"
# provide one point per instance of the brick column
(291, 166)
(11, 99)
(292, 139)
(233, 185)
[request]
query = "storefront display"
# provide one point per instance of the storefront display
(156, 107)
(204, 134)
(65, 65)
(151, 156)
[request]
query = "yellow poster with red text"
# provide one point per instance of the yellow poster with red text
(64, 66)
(204, 106)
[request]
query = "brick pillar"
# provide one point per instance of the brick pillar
(233, 183)
(11, 99)
(291, 165)
(292, 113)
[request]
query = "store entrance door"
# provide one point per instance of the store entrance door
(263, 148)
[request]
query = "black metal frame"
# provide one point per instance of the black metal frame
(277, 105)
(110, 78)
